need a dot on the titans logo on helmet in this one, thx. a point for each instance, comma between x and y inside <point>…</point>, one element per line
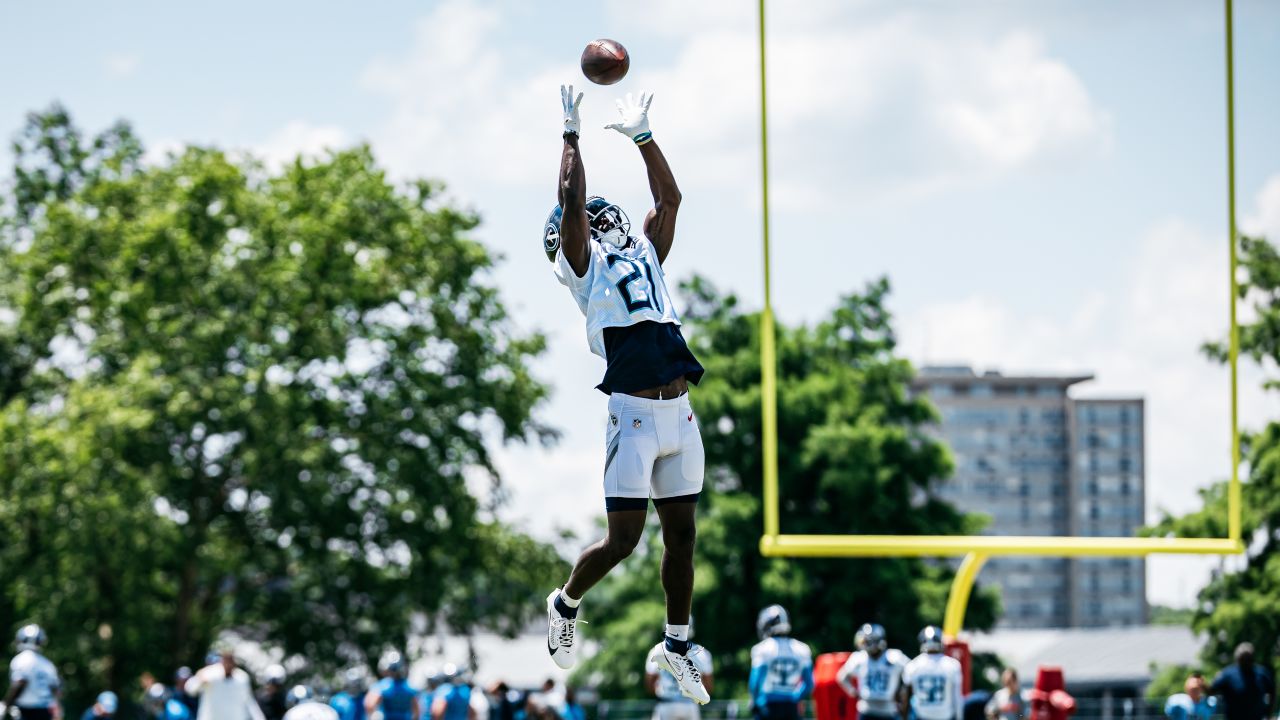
<point>551,233</point>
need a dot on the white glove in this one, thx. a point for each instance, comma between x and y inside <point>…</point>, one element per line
<point>634,122</point>
<point>571,104</point>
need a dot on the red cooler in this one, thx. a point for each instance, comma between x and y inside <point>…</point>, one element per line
<point>830,702</point>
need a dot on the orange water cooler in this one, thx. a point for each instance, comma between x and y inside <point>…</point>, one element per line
<point>830,702</point>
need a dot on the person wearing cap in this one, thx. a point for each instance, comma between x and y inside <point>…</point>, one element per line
<point>271,698</point>
<point>104,708</point>
<point>224,690</point>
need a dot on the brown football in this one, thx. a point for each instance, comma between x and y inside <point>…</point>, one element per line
<point>605,61</point>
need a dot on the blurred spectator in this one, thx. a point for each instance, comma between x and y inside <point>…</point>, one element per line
<point>1247,690</point>
<point>271,698</point>
<point>571,710</point>
<point>160,704</point>
<point>975,705</point>
<point>1192,704</point>
<point>506,701</point>
<point>303,704</point>
<point>104,708</point>
<point>550,696</point>
<point>224,691</point>
<point>349,701</point>
<point>451,699</point>
<point>1007,703</point>
<point>479,701</point>
<point>180,678</point>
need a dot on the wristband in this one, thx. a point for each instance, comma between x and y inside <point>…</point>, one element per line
<point>643,137</point>
<point>567,133</point>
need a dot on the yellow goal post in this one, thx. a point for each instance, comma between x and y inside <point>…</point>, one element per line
<point>977,548</point>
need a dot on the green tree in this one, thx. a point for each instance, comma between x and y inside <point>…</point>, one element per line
<point>1239,605</point>
<point>855,458</point>
<point>232,399</point>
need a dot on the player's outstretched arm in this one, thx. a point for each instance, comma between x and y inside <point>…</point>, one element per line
<point>572,189</point>
<point>660,223</point>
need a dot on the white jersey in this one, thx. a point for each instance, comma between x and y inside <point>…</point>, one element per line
<point>878,681</point>
<point>782,670</point>
<point>936,692</point>
<point>311,711</point>
<point>668,690</point>
<point>41,678</point>
<point>621,287</point>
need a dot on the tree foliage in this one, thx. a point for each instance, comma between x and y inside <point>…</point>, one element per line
<point>239,399</point>
<point>1239,605</point>
<point>854,458</point>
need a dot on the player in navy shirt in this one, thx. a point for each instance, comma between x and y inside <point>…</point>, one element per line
<point>1247,691</point>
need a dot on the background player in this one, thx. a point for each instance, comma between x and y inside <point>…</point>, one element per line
<point>451,699</point>
<point>672,704</point>
<point>878,671</point>
<point>33,680</point>
<point>392,694</point>
<point>653,447</point>
<point>781,669</point>
<point>932,680</point>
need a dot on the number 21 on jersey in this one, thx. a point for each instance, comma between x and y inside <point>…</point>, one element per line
<point>635,276</point>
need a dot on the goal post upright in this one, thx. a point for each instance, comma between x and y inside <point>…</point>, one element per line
<point>977,549</point>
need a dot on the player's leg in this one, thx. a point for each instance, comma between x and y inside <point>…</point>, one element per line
<point>630,448</point>
<point>677,483</point>
<point>679,533</point>
<point>624,530</point>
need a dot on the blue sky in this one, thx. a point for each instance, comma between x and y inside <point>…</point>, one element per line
<point>1043,182</point>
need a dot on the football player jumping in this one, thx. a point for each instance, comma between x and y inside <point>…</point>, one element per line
<point>652,445</point>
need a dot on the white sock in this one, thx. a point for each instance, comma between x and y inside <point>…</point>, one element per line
<point>568,600</point>
<point>679,632</point>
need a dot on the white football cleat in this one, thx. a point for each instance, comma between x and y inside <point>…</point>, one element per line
<point>685,671</point>
<point>562,634</point>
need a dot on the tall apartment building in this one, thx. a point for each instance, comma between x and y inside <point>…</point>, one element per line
<point>1040,462</point>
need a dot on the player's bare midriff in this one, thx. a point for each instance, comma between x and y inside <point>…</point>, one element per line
<point>673,389</point>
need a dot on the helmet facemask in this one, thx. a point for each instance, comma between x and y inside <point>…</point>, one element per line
<point>609,223</point>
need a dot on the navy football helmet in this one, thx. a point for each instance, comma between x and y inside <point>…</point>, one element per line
<point>773,621</point>
<point>870,637</point>
<point>551,233</point>
<point>931,639</point>
<point>608,222</point>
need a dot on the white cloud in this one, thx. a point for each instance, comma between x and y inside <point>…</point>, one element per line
<point>121,64</point>
<point>299,138</point>
<point>866,107</point>
<point>859,106</point>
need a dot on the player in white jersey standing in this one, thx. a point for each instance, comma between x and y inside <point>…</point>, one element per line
<point>33,681</point>
<point>878,671</point>
<point>932,680</point>
<point>781,669</point>
<point>672,704</point>
<point>652,445</point>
